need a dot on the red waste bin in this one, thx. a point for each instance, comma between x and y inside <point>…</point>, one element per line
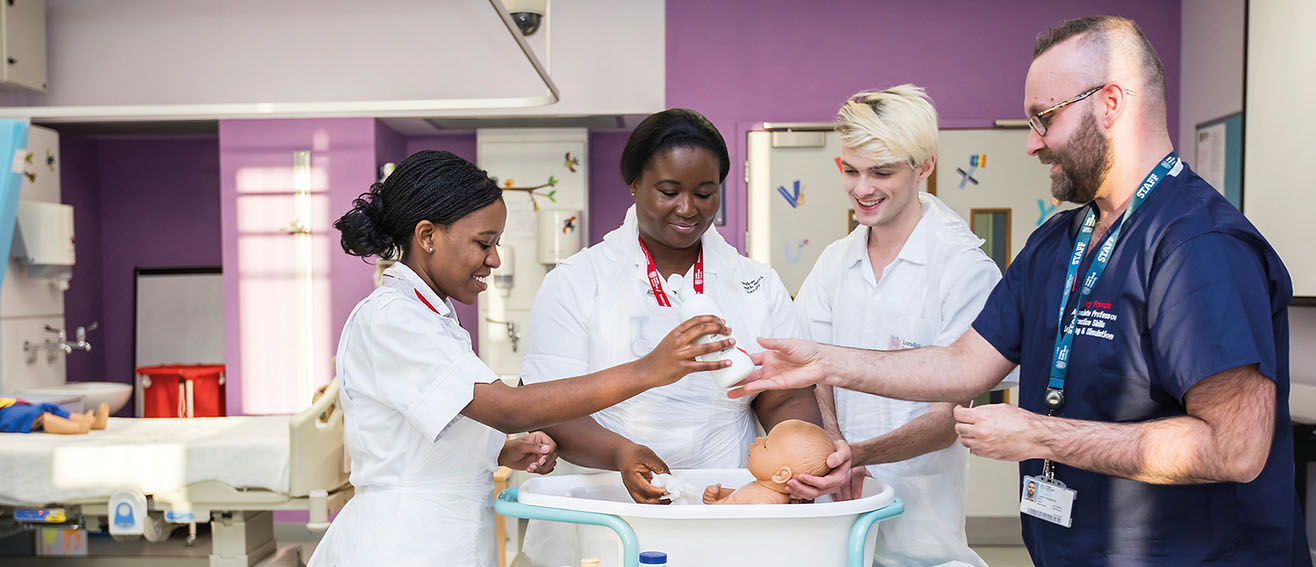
<point>182,390</point>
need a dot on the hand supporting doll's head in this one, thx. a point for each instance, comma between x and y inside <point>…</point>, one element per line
<point>793,447</point>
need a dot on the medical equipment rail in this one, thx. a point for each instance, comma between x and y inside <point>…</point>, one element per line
<point>507,505</point>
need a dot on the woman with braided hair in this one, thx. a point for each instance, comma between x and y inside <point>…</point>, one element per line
<point>425,420</point>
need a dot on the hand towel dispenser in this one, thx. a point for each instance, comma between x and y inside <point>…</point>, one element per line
<point>43,240</point>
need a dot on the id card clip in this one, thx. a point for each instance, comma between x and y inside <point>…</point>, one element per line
<point>1048,500</point>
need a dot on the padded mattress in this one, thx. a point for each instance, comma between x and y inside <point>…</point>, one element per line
<point>154,455</point>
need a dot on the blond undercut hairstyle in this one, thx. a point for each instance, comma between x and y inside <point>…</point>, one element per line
<point>895,125</point>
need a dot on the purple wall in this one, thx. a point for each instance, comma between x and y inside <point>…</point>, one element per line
<point>462,144</point>
<point>390,146</point>
<point>159,208</point>
<point>138,202</point>
<point>608,195</point>
<point>345,148</point>
<point>80,187</point>
<point>740,62</point>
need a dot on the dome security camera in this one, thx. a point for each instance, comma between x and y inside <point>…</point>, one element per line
<point>527,14</point>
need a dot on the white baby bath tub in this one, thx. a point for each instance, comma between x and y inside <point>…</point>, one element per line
<point>823,533</point>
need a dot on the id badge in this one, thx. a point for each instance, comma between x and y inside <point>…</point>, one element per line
<point>1050,501</point>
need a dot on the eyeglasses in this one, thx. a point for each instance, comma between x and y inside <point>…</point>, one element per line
<point>1039,125</point>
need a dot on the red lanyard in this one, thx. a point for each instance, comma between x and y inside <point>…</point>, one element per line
<point>656,281</point>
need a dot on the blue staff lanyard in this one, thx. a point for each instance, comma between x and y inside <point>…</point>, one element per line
<point>1055,397</point>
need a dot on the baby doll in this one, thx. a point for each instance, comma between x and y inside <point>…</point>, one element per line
<point>18,416</point>
<point>793,447</point>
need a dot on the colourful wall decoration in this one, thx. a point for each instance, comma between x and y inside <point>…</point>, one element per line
<point>508,185</point>
<point>1045,211</point>
<point>795,251</point>
<point>793,198</point>
<point>976,162</point>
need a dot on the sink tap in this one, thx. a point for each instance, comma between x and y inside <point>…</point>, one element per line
<point>31,349</point>
<point>81,334</point>
<point>61,342</point>
<point>52,348</point>
<point>513,335</point>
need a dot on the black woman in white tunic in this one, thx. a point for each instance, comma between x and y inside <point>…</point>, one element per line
<point>425,419</point>
<point>607,305</point>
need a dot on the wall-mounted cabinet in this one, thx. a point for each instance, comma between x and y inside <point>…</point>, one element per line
<point>23,44</point>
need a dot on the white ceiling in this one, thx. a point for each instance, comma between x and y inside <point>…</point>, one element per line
<point>339,53</point>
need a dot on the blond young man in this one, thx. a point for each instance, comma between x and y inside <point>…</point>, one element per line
<point>911,274</point>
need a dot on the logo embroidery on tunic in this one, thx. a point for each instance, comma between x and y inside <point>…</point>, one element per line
<point>752,285</point>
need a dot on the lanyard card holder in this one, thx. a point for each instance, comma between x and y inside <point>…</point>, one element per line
<point>1051,501</point>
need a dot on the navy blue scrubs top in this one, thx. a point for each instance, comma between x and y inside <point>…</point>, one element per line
<point>1191,290</point>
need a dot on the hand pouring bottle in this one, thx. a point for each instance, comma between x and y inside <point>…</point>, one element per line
<point>696,304</point>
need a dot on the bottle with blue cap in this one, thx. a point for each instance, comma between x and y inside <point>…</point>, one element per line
<point>655,558</point>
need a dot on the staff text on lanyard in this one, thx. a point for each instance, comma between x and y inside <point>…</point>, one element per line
<point>1055,396</point>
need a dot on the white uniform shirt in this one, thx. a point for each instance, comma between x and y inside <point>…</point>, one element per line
<point>596,310</point>
<point>422,471</point>
<point>928,295</point>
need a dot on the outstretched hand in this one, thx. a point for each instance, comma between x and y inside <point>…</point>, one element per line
<point>785,364</point>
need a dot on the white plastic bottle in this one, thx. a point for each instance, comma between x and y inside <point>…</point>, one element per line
<point>696,304</point>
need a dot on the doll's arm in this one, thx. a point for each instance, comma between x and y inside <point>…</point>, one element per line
<point>715,494</point>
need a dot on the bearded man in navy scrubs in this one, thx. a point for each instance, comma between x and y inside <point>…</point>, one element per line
<point>1150,327</point>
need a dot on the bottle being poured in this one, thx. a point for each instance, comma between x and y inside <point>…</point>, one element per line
<point>695,304</point>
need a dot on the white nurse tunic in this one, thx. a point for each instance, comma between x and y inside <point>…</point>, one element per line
<point>596,309</point>
<point>422,471</point>
<point>929,295</point>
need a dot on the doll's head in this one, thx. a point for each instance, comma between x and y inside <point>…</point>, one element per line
<point>792,448</point>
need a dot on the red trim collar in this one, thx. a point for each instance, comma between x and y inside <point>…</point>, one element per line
<point>425,301</point>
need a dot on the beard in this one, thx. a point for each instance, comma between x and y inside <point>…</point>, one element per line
<point>1084,163</point>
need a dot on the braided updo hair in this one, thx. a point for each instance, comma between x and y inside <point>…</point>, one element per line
<point>429,185</point>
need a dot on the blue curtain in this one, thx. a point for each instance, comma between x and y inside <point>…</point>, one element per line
<point>13,150</point>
